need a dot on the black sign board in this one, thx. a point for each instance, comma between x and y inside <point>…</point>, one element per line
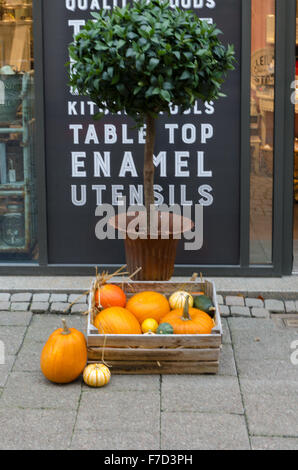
<point>92,162</point>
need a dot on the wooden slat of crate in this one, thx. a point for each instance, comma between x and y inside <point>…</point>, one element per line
<point>178,354</point>
<point>156,341</point>
<point>168,367</point>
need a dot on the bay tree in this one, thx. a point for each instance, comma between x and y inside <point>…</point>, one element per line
<point>144,58</point>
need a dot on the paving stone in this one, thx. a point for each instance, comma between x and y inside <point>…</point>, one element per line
<point>27,429</point>
<point>79,308</point>
<point>28,361</point>
<point>60,307</point>
<point>58,298</point>
<point>12,337</point>
<point>15,318</point>
<point>44,297</point>
<point>4,306</point>
<point>254,303</point>
<point>235,301</point>
<point>33,390</point>
<point>240,311</point>
<point>136,383</point>
<point>224,310</point>
<point>119,411</point>
<point>272,369</point>
<point>115,440</point>
<point>276,306</point>
<point>22,297</point>
<point>30,348</point>
<point>4,297</point>
<point>181,393</point>
<point>274,443</point>
<point>20,306</point>
<point>43,325</point>
<point>271,406</point>
<point>40,307</point>
<point>220,299</point>
<point>226,337</point>
<point>227,364</point>
<point>82,299</point>
<point>260,313</point>
<point>203,431</point>
<point>5,369</point>
<point>290,306</point>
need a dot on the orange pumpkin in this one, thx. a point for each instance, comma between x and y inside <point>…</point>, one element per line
<point>148,305</point>
<point>117,320</point>
<point>189,321</point>
<point>64,355</point>
<point>110,295</point>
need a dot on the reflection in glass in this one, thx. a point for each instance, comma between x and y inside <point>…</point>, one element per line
<point>17,207</point>
<point>262,130</point>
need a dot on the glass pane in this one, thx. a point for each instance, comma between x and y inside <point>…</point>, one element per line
<point>17,200</point>
<point>262,130</point>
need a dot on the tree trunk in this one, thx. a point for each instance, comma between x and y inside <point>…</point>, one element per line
<point>149,167</point>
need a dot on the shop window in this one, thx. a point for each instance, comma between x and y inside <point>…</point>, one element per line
<point>17,200</point>
<point>262,130</point>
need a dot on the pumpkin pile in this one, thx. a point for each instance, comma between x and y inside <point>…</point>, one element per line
<point>151,312</point>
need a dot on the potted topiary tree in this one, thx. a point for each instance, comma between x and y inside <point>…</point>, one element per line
<point>142,59</point>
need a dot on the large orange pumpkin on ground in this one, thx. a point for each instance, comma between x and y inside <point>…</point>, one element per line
<point>110,295</point>
<point>64,355</point>
<point>189,321</point>
<point>117,320</point>
<point>148,305</point>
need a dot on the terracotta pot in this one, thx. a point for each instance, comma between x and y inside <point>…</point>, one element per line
<point>155,253</point>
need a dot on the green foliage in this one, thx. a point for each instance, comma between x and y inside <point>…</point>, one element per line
<point>145,56</point>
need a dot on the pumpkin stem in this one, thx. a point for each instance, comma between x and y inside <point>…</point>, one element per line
<point>186,315</point>
<point>66,330</point>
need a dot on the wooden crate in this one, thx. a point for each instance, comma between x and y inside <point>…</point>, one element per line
<point>158,354</point>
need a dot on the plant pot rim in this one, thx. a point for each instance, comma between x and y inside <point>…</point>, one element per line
<point>178,224</point>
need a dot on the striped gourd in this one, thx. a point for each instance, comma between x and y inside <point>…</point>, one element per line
<point>96,375</point>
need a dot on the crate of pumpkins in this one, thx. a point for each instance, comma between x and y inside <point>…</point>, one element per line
<point>154,327</point>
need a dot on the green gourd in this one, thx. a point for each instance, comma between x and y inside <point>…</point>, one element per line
<point>204,303</point>
<point>165,329</point>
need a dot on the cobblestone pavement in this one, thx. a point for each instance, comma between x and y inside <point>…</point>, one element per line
<point>251,404</point>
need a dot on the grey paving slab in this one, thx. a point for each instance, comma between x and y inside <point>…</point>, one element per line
<point>5,369</point>
<point>181,392</point>
<point>60,307</point>
<point>272,369</point>
<point>254,303</point>
<point>258,312</point>
<point>271,406</point>
<point>27,429</point>
<point>30,348</point>
<point>220,299</point>
<point>42,297</point>
<point>119,411</point>
<point>21,297</point>
<point>115,440</point>
<point>12,337</point>
<point>203,431</point>
<point>19,306</point>
<point>43,325</point>
<point>40,307</point>
<point>276,306</point>
<point>240,311</point>
<point>290,306</point>
<point>4,306</point>
<point>235,301</point>
<point>137,383</point>
<point>224,310</point>
<point>32,390</point>
<point>227,364</point>
<point>58,298</point>
<point>226,338</point>
<point>274,443</point>
<point>4,297</point>
<point>82,299</point>
<point>79,308</point>
<point>15,318</point>
<point>28,361</point>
